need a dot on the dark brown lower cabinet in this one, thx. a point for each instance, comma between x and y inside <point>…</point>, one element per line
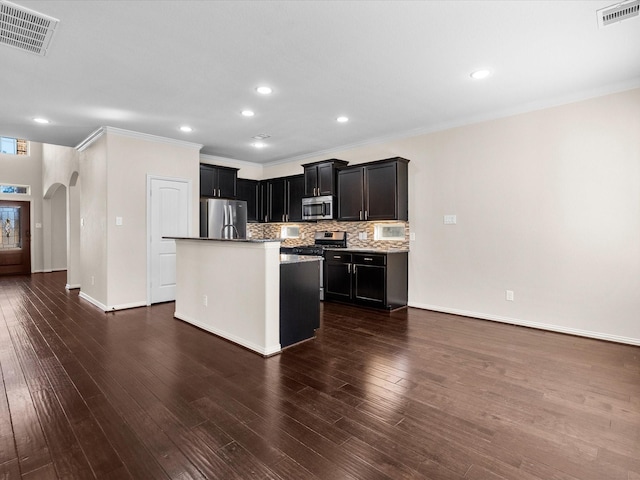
<point>377,280</point>
<point>299,301</point>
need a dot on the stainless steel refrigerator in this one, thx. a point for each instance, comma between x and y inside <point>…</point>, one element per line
<point>221,218</point>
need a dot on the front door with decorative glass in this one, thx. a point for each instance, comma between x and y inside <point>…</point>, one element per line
<point>15,245</point>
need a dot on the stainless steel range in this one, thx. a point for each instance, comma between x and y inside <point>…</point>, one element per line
<point>322,241</point>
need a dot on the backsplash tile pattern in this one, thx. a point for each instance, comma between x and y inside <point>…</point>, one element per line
<point>308,229</point>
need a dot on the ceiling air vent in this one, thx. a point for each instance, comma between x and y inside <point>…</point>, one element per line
<point>618,12</point>
<point>25,29</point>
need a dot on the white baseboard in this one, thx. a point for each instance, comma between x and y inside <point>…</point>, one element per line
<point>526,323</point>
<point>93,301</point>
<point>125,306</point>
<point>111,308</point>
<point>69,286</point>
<point>266,351</point>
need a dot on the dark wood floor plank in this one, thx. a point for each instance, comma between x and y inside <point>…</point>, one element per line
<point>31,446</point>
<point>8,452</point>
<point>130,448</point>
<point>10,470</point>
<point>407,394</point>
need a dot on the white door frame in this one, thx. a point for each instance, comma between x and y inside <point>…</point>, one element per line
<point>150,178</point>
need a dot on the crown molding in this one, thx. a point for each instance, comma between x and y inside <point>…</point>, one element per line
<point>131,134</point>
<point>231,161</point>
<point>87,142</point>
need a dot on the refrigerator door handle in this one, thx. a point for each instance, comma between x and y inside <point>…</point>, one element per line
<point>225,222</point>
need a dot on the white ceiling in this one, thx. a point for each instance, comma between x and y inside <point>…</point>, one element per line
<point>393,67</point>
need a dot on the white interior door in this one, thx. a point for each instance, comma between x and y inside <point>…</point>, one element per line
<point>169,216</point>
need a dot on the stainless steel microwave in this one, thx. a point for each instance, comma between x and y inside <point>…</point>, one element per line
<point>317,208</point>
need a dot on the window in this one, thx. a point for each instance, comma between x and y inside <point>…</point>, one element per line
<point>13,146</point>
<point>17,189</point>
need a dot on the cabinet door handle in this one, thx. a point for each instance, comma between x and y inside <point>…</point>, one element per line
<point>354,269</point>
<point>348,268</point>
<point>366,214</point>
<point>283,217</point>
<point>367,259</point>
<point>360,215</point>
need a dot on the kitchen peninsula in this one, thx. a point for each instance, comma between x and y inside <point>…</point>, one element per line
<point>234,289</point>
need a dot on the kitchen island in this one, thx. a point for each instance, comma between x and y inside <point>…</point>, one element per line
<point>234,289</point>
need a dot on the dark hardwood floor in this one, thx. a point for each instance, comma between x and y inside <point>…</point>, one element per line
<point>411,394</point>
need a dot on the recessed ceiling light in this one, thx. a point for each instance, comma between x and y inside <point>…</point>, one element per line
<point>258,144</point>
<point>40,120</point>
<point>186,128</point>
<point>264,90</point>
<point>342,119</point>
<point>480,74</point>
<point>248,113</point>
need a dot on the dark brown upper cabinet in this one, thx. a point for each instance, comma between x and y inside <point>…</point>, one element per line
<point>320,177</point>
<point>374,191</point>
<point>248,190</point>
<point>284,199</point>
<point>218,182</point>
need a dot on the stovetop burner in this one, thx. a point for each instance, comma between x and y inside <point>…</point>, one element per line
<point>323,240</point>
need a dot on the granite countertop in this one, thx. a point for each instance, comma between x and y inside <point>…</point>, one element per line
<point>369,250</point>
<point>290,258</point>
<point>241,240</point>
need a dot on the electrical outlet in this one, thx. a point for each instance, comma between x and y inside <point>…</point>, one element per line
<point>412,236</point>
<point>450,220</point>
<point>362,235</point>
<point>508,295</point>
<point>205,300</point>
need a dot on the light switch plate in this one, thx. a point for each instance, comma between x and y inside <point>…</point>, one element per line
<point>119,221</point>
<point>450,220</point>
<point>38,225</point>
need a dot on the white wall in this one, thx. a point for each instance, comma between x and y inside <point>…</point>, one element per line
<point>130,159</point>
<point>58,228</point>
<point>93,214</point>
<point>62,247</point>
<point>27,170</point>
<point>74,265</point>
<point>548,205</point>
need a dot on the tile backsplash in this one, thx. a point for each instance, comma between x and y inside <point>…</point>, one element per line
<point>307,230</point>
